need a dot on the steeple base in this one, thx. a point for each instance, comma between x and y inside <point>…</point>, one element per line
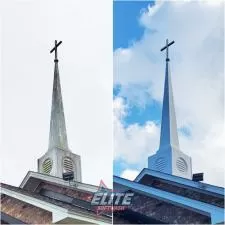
<point>56,161</point>
<point>171,161</point>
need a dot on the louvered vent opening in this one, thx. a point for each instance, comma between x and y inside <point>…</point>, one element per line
<point>67,164</point>
<point>47,166</point>
<point>160,164</point>
<point>181,165</point>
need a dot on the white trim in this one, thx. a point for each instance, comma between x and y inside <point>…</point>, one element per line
<point>58,213</point>
<point>44,177</point>
<point>180,180</point>
<point>33,201</point>
<point>216,213</point>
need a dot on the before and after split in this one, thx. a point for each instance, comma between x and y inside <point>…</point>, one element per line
<point>112,112</point>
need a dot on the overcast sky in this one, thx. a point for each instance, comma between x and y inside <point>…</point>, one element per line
<point>28,29</point>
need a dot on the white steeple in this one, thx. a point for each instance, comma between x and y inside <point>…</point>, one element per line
<point>169,158</point>
<point>168,124</point>
<point>57,134</point>
<point>58,159</point>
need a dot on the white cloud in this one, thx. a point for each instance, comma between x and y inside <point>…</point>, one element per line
<point>197,63</point>
<point>28,31</point>
<point>129,174</point>
<point>133,143</point>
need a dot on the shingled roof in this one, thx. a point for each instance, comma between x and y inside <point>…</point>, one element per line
<point>48,200</point>
<point>169,199</point>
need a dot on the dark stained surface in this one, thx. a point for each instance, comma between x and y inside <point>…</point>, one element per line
<point>166,212</point>
<point>6,219</point>
<point>131,217</point>
<point>25,212</point>
<point>192,193</point>
<point>151,210</point>
<point>72,192</point>
<point>72,205</point>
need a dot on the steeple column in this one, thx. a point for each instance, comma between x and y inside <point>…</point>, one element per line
<point>169,158</point>
<point>58,159</point>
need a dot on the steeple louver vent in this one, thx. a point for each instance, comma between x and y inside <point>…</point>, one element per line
<point>160,164</point>
<point>67,164</point>
<point>181,165</point>
<point>47,166</point>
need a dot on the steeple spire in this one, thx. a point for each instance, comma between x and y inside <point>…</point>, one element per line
<point>58,159</point>
<point>168,135</point>
<point>169,158</point>
<point>57,135</point>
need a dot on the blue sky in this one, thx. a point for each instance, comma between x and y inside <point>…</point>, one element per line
<point>126,30</point>
<point>126,27</point>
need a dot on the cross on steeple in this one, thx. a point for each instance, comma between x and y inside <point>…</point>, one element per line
<point>58,159</point>
<point>167,49</point>
<point>55,50</point>
<point>169,158</point>
<point>58,135</point>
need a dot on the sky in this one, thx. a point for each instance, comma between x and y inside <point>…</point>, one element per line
<point>111,62</point>
<point>28,29</point>
<point>197,71</point>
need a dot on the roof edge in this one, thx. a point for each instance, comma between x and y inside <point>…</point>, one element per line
<point>53,179</point>
<point>181,180</point>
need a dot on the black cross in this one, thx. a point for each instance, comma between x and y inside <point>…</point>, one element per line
<point>167,48</point>
<point>55,49</point>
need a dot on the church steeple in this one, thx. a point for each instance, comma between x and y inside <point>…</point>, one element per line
<point>57,135</point>
<point>168,124</point>
<point>58,159</point>
<point>169,158</point>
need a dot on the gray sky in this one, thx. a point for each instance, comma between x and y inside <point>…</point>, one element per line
<point>27,32</point>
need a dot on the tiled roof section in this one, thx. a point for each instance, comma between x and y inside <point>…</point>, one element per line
<point>77,196</point>
<point>128,216</point>
<point>72,192</point>
<point>25,212</point>
<point>71,207</point>
<point>182,191</point>
<point>35,195</point>
<point>164,212</point>
<point>118,219</point>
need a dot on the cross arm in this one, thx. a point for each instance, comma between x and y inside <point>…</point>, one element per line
<point>172,42</point>
<point>56,46</point>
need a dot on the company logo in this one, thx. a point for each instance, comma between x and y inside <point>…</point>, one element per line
<point>107,200</point>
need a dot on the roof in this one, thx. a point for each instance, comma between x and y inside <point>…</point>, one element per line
<point>49,195</point>
<point>207,188</point>
<point>17,211</point>
<point>33,179</point>
<point>52,200</point>
<point>167,196</point>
